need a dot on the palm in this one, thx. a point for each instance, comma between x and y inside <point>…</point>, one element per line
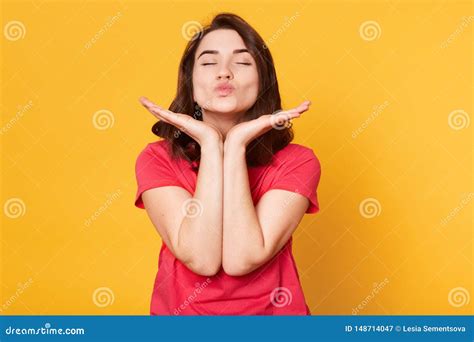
<point>197,129</point>
<point>245,132</point>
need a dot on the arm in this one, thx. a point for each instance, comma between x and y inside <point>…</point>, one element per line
<point>192,226</point>
<point>253,235</point>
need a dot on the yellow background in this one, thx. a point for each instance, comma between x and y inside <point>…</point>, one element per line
<point>396,90</point>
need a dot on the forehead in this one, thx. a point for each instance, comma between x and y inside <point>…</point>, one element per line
<point>222,40</point>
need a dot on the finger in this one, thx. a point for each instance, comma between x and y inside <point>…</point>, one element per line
<point>295,112</point>
<point>152,107</point>
<point>288,114</point>
<point>283,119</point>
<point>147,103</point>
<point>303,107</point>
<point>158,111</point>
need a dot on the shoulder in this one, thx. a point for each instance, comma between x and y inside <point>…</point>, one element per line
<point>158,151</point>
<point>296,154</point>
<point>159,146</point>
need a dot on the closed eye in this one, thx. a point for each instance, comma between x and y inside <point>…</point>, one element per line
<point>216,63</point>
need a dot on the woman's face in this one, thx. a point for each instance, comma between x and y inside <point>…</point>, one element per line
<point>225,77</point>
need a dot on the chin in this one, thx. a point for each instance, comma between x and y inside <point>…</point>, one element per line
<point>224,105</point>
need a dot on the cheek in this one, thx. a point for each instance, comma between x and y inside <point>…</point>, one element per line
<point>250,87</point>
<point>202,85</point>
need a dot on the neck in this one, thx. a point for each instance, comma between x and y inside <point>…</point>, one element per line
<point>222,121</point>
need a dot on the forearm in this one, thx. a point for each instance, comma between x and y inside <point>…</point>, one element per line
<point>200,234</point>
<point>243,239</point>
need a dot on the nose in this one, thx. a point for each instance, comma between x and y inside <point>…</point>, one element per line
<point>224,73</point>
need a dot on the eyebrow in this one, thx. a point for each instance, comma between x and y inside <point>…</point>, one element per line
<point>215,52</point>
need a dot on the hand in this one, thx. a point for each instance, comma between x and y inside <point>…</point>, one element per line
<point>198,130</point>
<point>243,133</point>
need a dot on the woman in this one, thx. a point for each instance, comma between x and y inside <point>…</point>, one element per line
<point>225,188</point>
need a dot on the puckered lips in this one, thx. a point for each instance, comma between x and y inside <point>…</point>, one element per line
<point>224,89</point>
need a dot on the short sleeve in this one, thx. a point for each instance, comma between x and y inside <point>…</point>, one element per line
<point>152,170</point>
<point>300,173</point>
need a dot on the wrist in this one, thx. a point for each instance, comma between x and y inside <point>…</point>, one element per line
<point>211,144</point>
<point>234,146</point>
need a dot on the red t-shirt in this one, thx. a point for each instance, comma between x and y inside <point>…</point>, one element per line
<point>272,289</point>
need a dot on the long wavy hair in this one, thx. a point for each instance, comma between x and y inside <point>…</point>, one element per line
<point>259,151</point>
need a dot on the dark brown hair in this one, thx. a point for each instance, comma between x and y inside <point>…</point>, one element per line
<point>260,151</point>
